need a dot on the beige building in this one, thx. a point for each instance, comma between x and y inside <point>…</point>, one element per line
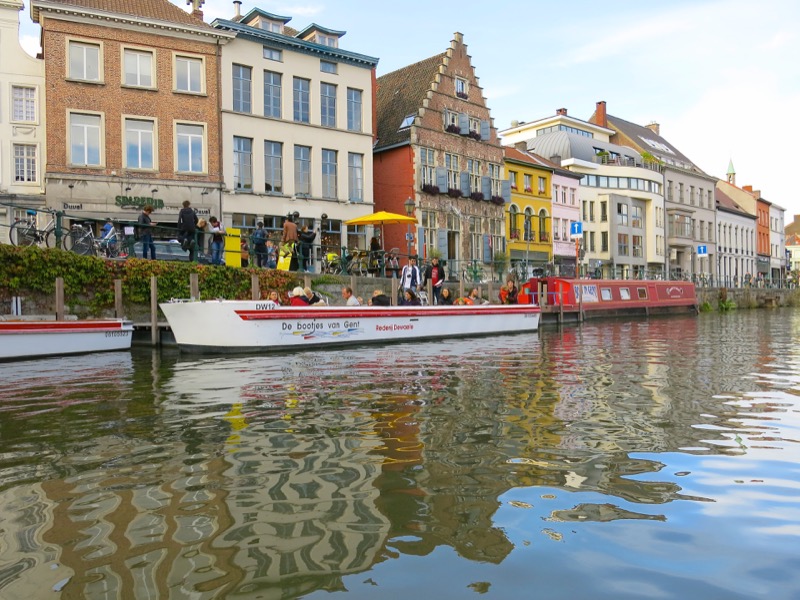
<point>22,122</point>
<point>621,195</point>
<point>297,128</point>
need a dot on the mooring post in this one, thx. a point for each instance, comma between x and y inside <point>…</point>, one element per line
<point>394,291</point>
<point>194,286</point>
<point>59,298</point>
<point>154,334</point>
<point>255,287</point>
<point>118,298</point>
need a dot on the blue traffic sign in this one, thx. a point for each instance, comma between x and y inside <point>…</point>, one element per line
<point>576,229</point>
<point>702,251</point>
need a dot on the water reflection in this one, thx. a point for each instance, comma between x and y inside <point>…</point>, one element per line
<point>152,476</point>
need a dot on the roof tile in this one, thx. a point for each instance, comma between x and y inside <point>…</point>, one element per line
<point>159,10</point>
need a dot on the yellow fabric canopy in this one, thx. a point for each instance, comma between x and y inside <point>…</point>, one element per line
<point>381,218</point>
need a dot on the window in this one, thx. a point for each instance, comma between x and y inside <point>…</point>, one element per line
<point>242,163</point>
<point>355,176</point>
<point>302,100</point>
<point>603,211</point>
<point>528,182</point>
<point>327,67</point>
<point>327,40</point>
<point>273,167</point>
<point>461,88</point>
<point>475,239</point>
<point>428,166</point>
<point>555,193</point>
<point>556,228</point>
<point>605,294</point>
<point>138,68</point>
<point>494,175</point>
<point>302,170</point>
<point>408,121</point>
<point>190,142</point>
<point>528,231</point>
<point>603,241</point>
<point>451,164</point>
<point>591,241</point>
<point>242,88</point>
<point>353,109</point>
<point>272,54</point>
<point>23,101</point>
<point>328,173</point>
<point>512,179</point>
<point>84,138</point>
<point>328,105</point>
<point>637,246</point>
<point>622,244</point>
<point>513,222</point>
<point>189,74</point>
<point>474,170</point>
<point>636,216</point>
<point>542,184</point>
<point>25,163</point>
<point>84,61</point>
<point>622,214</point>
<point>139,150</point>
<point>591,211</point>
<point>272,94</point>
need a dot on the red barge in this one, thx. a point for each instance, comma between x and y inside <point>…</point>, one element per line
<point>579,299</point>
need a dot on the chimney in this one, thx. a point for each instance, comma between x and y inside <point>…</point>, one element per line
<point>237,5</point>
<point>600,114</point>
<point>521,146</point>
<point>748,188</point>
<point>654,127</point>
<point>197,6</point>
<point>556,158</point>
<point>562,112</point>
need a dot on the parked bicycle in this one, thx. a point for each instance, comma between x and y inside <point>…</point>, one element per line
<point>473,273</point>
<point>25,232</point>
<point>81,240</point>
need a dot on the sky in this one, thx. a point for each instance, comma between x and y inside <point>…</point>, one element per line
<point>721,77</point>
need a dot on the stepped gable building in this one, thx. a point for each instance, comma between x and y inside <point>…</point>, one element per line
<point>298,125</point>
<point>622,206</point>
<point>133,107</point>
<point>22,122</point>
<point>688,196</point>
<point>437,157</point>
<point>736,241</point>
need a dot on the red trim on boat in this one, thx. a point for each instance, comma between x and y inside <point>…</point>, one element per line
<point>376,312</point>
<point>58,326</point>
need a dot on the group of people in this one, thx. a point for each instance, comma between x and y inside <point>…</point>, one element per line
<point>190,233</point>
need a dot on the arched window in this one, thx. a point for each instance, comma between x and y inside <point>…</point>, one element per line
<point>528,226</point>
<point>513,222</point>
<point>543,237</point>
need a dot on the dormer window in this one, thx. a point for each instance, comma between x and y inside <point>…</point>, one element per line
<point>273,26</point>
<point>327,40</point>
<point>461,88</point>
<point>407,122</point>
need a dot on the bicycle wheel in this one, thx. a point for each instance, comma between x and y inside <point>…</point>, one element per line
<point>23,233</point>
<point>80,242</point>
<point>50,238</point>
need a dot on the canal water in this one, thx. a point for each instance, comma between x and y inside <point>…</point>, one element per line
<point>648,459</point>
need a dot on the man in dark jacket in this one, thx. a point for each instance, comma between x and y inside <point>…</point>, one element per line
<point>187,226</point>
<point>436,274</point>
<point>307,238</point>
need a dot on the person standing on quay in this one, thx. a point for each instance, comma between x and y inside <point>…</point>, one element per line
<point>187,227</point>
<point>217,240</point>
<point>145,224</point>
<point>436,274</point>
<point>290,237</point>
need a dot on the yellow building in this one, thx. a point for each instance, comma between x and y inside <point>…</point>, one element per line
<point>529,215</point>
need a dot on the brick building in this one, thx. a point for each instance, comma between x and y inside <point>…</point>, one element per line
<point>437,147</point>
<point>133,106</point>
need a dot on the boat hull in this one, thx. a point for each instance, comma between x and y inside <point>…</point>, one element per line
<point>32,339</point>
<point>251,326</point>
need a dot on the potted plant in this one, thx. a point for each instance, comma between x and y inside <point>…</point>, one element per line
<point>499,263</point>
<point>454,193</point>
<point>476,196</point>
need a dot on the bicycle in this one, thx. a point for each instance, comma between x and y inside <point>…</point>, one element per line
<point>24,232</point>
<point>473,273</point>
<point>81,240</point>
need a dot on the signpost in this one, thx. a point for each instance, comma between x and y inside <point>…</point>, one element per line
<point>576,231</point>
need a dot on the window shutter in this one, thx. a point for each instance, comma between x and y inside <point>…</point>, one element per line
<point>465,183</point>
<point>486,187</point>
<point>505,187</point>
<point>463,123</point>
<point>487,248</point>
<point>485,131</point>
<point>441,179</point>
<point>420,244</point>
<point>441,242</point>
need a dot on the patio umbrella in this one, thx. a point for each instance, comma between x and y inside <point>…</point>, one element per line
<point>382,218</point>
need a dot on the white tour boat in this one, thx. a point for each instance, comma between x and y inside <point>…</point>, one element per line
<point>259,326</point>
<point>21,338</point>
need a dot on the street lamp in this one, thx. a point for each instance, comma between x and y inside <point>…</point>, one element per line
<point>411,208</point>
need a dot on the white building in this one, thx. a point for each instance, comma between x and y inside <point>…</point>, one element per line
<point>777,244</point>
<point>297,128</point>
<point>736,241</point>
<point>621,196</point>
<point>22,122</point>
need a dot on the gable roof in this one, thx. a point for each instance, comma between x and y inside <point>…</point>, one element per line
<point>155,10</point>
<point>652,142</point>
<point>726,203</point>
<point>401,93</point>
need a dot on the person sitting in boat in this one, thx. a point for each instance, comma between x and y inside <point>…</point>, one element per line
<point>349,299</point>
<point>274,297</point>
<point>298,297</point>
<point>410,298</point>
<point>508,293</point>
<point>379,299</point>
<point>475,298</point>
<point>446,297</point>
<point>313,297</point>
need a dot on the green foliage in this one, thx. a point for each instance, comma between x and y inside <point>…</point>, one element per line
<point>500,262</point>
<point>89,281</point>
<point>706,307</point>
<point>726,305</point>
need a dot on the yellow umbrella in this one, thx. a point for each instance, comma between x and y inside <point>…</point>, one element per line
<point>381,218</point>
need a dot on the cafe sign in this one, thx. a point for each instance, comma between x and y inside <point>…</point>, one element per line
<point>138,202</point>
